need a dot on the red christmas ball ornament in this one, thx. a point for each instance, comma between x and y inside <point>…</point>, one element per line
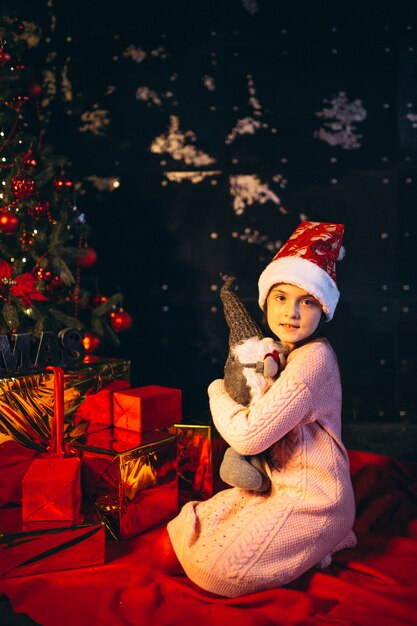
<point>29,159</point>
<point>39,209</point>
<point>22,186</point>
<point>120,320</point>
<point>89,259</point>
<point>35,90</point>
<point>4,58</point>
<point>91,342</point>
<point>62,183</point>
<point>9,222</point>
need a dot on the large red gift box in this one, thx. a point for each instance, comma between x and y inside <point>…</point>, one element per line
<point>131,478</point>
<point>147,408</point>
<point>47,547</point>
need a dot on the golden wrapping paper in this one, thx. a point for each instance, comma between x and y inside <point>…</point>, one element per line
<point>130,477</point>
<point>26,401</point>
<point>200,450</point>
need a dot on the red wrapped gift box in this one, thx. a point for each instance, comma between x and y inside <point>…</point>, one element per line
<point>147,408</point>
<point>130,477</point>
<point>97,408</point>
<point>51,488</point>
<point>200,451</point>
<point>46,549</point>
<point>26,401</point>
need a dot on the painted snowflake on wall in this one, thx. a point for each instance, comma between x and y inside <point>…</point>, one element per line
<point>244,126</point>
<point>180,145</point>
<point>250,124</point>
<point>412,118</point>
<point>251,6</point>
<point>340,129</point>
<point>95,121</point>
<point>209,82</point>
<point>136,54</point>
<point>104,183</point>
<point>248,189</point>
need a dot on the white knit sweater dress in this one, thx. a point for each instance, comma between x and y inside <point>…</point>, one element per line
<point>240,542</point>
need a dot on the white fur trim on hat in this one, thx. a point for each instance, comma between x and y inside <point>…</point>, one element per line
<point>301,273</point>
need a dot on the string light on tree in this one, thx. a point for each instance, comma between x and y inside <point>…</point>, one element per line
<point>40,209</point>
<point>29,159</point>
<point>98,299</point>
<point>62,183</point>
<point>91,342</point>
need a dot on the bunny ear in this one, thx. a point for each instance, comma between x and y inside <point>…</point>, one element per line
<point>241,325</point>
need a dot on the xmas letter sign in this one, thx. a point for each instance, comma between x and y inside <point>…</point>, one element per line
<point>27,353</point>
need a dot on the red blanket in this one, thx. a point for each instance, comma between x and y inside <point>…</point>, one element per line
<point>373,584</point>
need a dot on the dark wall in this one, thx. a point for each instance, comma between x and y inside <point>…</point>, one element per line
<point>279,66</point>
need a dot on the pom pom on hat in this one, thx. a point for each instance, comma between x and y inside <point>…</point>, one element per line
<point>308,261</point>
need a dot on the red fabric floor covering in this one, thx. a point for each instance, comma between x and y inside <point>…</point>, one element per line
<point>374,584</point>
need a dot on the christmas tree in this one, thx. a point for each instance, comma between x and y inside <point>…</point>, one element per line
<point>44,235</point>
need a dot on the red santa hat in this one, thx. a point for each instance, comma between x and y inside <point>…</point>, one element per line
<point>308,260</point>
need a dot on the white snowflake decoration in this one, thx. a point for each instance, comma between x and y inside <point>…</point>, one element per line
<point>136,54</point>
<point>66,85</point>
<point>179,145</point>
<point>341,131</point>
<point>412,117</point>
<point>251,6</point>
<point>209,82</point>
<point>247,189</point>
<point>248,125</point>
<point>193,177</point>
<point>95,121</point>
<point>148,95</point>
<point>253,236</point>
<point>244,126</point>
<point>109,183</point>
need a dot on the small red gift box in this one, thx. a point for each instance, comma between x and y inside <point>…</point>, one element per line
<point>147,408</point>
<point>51,488</point>
<point>97,408</point>
<point>200,450</point>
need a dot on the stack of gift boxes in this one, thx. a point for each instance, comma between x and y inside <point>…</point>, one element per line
<point>138,464</point>
<point>130,463</point>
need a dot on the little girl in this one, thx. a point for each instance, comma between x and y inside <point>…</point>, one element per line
<point>240,541</point>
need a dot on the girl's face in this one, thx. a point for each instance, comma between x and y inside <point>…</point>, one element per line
<point>292,313</point>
